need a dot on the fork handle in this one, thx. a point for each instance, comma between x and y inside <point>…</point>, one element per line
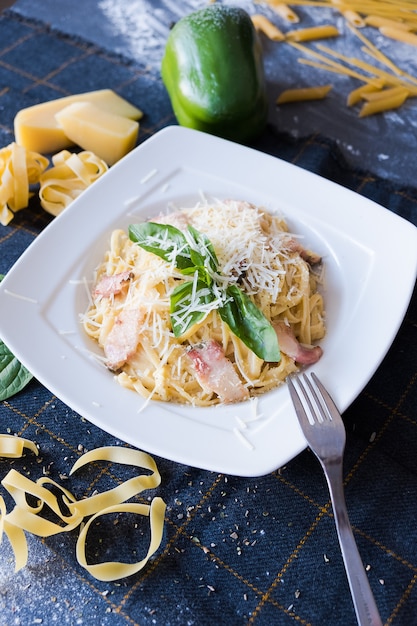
<point>365,607</point>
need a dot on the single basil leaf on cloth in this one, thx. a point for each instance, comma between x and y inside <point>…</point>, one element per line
<point>164,240</point>
<point>13,375</point>
<point>188,305</point>
<point>248,323</point>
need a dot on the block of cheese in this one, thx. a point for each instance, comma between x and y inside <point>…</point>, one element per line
<point>109,136</point>
<point>36,127</point>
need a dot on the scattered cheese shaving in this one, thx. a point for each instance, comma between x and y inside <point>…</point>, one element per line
<point>19,168</point>
<point>70,175</point>
<point>148,176</point>
<point>243,438</point>
<point>25,517</point>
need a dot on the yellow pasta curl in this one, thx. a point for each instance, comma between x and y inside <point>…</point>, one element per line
<point>19,168</point>
<point>69,176</point>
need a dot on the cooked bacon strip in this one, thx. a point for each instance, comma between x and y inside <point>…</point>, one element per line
<point>111,285</point>
<point>289,344</point>
<point>122,341</point>
<point>216,373</point>
<point>312,258</point>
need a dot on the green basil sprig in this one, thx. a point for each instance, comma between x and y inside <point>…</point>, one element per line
<point>13,375</point>
<point>193,255</point>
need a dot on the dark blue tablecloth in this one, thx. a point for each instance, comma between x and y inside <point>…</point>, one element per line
<point>235,551</point>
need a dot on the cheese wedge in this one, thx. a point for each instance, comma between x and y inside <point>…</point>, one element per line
<point>37,129</point>
<point>108,136</point>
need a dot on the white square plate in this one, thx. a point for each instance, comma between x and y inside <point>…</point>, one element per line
<point>370,256</point>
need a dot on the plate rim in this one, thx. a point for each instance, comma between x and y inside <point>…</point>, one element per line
<point>170,136</point>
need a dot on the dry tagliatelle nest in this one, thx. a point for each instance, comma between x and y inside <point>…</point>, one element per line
<point>22,169</point>
<point>27,517</point>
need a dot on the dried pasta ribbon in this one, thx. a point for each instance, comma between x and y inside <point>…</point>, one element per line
<point>112,570</point>
<point>25,517</point>
<point>31,522</point>
<point>12,447</point>
<point>19,168</point>
<point>128,489</point>
<point>69,176</point>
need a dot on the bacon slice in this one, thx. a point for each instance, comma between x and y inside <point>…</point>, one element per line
<point>216,373</point>
<point>312,258</point>
<point>122,341</point>
<point>289,344</point>
<point>112,285</point>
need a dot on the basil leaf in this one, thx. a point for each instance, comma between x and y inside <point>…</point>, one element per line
<point>248,323</point>
<point>205,248</point>
<point>188,301</point>
<point>183,316</point>
<point>164,240</point>
<point>13,375</point>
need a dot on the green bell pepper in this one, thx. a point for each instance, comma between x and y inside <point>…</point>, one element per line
<point>213,71</point>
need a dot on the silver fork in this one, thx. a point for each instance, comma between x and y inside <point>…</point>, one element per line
<point>325,433</point>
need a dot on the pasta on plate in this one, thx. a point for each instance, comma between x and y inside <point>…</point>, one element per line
<point>210,304</point>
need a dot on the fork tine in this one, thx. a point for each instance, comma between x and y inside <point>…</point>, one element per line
<point>328,400</point>
<point>316,411</point>
<point>299,407</point>
<point>317,400</point>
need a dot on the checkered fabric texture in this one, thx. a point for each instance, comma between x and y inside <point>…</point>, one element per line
<point>235,551</point>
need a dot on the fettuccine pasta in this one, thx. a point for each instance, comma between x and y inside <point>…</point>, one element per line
<point>19,168</point>
<point>130,315</point>
<point>12,447</point>
<point>68,177</point>
<point>26,517</point>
